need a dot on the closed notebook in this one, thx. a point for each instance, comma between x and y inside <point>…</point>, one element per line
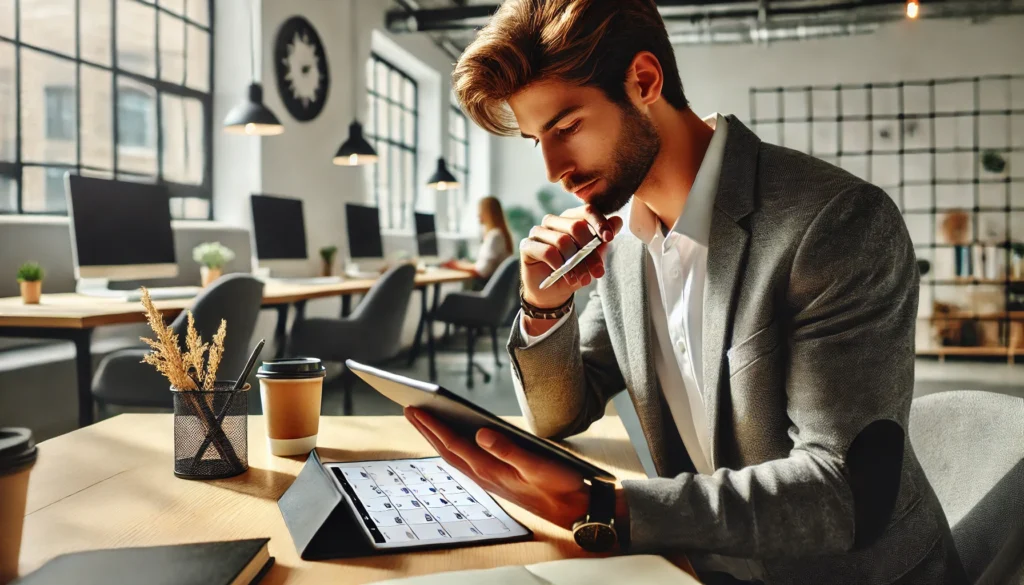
<point>239,562</point>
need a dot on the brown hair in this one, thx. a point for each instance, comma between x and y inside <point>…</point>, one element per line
<point>587,42</point>
<point>495,218</point>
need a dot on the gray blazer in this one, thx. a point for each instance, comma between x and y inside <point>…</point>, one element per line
<point>809,316</point>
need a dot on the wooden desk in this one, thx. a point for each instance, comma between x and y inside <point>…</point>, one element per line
<point>72,317</point>
<point>111,485</point>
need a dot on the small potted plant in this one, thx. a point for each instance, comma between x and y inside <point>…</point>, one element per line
<point>30,278</point>
<point>212,256</point>
<point>327,254</point>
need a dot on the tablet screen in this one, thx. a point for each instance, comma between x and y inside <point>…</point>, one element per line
<point>410,502</point>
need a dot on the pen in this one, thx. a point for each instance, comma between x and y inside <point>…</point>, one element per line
<point>571,263</point>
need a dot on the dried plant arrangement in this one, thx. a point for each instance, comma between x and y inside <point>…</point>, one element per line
<point>185,371</point>
<point>191,370</point>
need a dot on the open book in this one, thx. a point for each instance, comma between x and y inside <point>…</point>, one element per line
<point>629,569</point>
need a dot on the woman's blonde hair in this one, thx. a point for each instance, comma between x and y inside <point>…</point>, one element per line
<point>587,42</point>
<point>494,218</point>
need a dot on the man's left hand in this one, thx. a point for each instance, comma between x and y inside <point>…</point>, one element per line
<point>539,485</point>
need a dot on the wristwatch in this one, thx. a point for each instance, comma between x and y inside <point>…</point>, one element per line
<point>596,531</point>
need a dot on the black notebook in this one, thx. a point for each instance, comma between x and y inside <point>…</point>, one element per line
<point>240,562</point>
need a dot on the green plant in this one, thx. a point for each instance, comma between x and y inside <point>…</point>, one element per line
<point>212,254</point>
<point>30,272</point>
<point>520,221</point>
<point>993,161</point>
<point>328,253</point>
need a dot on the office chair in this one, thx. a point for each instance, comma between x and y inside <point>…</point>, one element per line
<point>371,334</point>
<point>486,309</point>
<point>971,446</point>
<point>122,380</point>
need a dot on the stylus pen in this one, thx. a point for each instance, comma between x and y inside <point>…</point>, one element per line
<point>571,263</point>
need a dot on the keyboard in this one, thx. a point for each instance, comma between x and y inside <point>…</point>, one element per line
<point>163,293</point>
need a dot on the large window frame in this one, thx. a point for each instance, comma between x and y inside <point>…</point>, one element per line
<point>393,179</point>
<point>458,164</point>
<point>189,200</point>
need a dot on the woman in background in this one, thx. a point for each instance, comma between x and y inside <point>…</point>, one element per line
<point>497,242</point>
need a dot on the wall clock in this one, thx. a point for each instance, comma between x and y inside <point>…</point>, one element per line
<point>301,65</point>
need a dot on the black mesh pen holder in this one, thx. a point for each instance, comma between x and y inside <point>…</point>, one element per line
<point>211,432</point>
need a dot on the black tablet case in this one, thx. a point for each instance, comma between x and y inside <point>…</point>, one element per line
<point>324,527</point>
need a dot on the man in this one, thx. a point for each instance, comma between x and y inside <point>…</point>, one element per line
<point>759,307</point>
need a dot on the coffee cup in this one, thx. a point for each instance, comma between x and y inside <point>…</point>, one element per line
<point>17,456</point>
<point>291,390</point>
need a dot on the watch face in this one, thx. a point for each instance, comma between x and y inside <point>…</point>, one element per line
<point>594,536</point>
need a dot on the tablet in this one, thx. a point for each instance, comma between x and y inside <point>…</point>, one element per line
<point>466,418</point>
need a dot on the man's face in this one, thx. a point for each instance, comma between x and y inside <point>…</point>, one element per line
<point>599,150</point>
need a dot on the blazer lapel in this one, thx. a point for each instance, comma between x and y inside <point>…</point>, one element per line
<point>666,446</point>
<point>727,252</point>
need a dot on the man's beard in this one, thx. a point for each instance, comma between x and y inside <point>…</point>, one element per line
<point>636,150</point>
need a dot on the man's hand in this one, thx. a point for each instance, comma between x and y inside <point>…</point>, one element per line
<point>551,244</point>
<point>539,485</point>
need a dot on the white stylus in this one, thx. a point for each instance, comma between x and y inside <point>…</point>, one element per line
<point>571,263</point>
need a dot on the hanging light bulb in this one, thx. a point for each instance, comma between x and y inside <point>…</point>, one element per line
<point>251,117</point>
<point>913,8</point>
<point>356,150</point>
<point>442,179</point>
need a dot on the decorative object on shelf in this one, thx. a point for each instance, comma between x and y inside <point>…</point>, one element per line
<point>355,150</point>
<point>251,116</point>
<point>327,254</point>
<point>300,62</point>
<point>924,267</point>
<point>442,179</point>
<point>212,256</point>
<point>955,227</point>
<point>1016,268</point>
<point>30,280</point>
<point>947,329</point>
<point>993,162</point>
<point>198,395</point>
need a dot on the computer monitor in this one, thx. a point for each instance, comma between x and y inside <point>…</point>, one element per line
<point>120,230</point>
<point>279,228</point>
<point>365,246</point>
<point>426,237</point>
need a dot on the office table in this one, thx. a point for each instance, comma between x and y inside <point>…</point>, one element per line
<point>72,317</point>
<point>111,485</point>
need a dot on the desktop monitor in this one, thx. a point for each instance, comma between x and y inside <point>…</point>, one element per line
<point>120,230</point>
<point>364,241</point>
<point>426,235</point>
<point>279,228</point>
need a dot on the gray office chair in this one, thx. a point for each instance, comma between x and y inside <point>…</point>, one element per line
<point>971,446</point>
<point>372,334</point>
<point>123,381</point>
<point>486,309</point>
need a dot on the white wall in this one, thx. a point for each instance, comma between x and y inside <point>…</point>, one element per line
<point>718,78</point>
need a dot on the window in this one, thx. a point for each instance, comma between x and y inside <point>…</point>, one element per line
<point>60,113</point>
<point>108,88</point>
<point>458,164</point>
<point>391,128</point>
<point>135,119</point>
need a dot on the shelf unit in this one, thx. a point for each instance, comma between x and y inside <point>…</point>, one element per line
<point>922,142</point>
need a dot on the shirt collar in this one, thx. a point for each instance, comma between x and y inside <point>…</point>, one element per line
<point>695,221</point>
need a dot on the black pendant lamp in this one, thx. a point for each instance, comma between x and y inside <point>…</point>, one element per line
<point>251,116</point>
<point>355,150</point>
<point>442,179</point>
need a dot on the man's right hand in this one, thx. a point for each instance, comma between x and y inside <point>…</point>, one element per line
<point>549,245</point>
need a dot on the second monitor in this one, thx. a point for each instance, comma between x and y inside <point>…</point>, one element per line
<point>426,238</point>
<point>365,246</point>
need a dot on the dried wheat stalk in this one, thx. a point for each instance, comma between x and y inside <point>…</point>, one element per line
<point>216,353</point>
<point>166,355</point>
<point>193,358</point>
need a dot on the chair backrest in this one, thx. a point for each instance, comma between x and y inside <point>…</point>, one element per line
<point>236,298</point>
<point>971,446</point>
<point>503,287</point>
<point>386,305</point>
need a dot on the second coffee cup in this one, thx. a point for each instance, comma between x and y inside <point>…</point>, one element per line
<point>17,456</point>
<point>291,390</point>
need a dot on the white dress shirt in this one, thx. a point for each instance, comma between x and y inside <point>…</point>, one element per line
<point>676,271</point>
<point>493,251</point>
